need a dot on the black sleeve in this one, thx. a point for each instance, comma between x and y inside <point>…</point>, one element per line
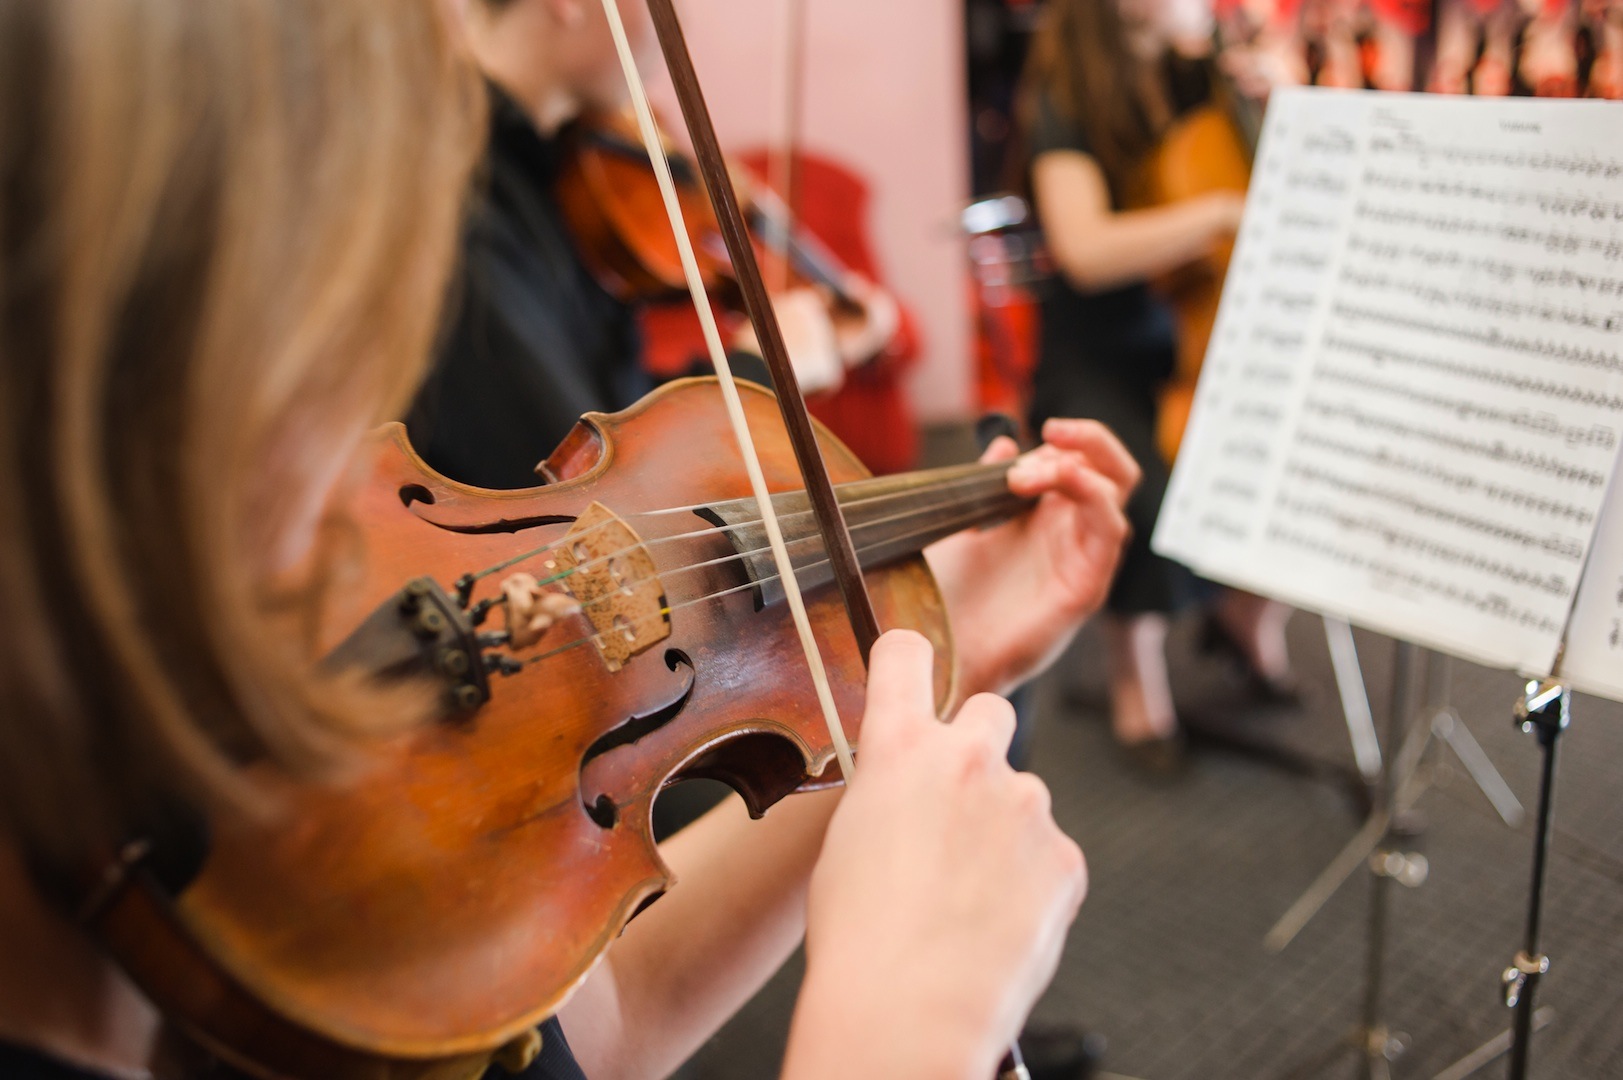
<point>487,414</point>
<point>516,368</point>
<point>1052,130</point>
<point>555,1062</point>
<point>20,1063</point>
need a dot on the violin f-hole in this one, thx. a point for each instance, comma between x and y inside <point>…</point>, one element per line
<point>415,493</point>
<point>601,808</point>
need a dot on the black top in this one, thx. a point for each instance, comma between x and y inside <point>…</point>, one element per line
<point>1126,333</point>
<point>554,1063</point>
<point>535,341</point>
<point>1104,355</point>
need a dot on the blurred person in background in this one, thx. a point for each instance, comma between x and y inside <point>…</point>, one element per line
<point>535,339</point>
<point>1104,80</point>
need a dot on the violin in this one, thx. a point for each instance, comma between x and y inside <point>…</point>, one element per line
<point>611,199</point>
<point>451,897</point>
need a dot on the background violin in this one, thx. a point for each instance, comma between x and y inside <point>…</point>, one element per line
<point>611,198</point>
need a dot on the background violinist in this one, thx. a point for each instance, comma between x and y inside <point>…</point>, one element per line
<point>536,341</point>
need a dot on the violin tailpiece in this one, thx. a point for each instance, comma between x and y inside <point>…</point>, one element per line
<point>419,632</point>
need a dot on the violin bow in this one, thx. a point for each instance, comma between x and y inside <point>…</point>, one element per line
<point>758,305</point>
<point>782,165</point>
<point>819,488</point>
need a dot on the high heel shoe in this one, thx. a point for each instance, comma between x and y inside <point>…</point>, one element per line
<point>1215,640</point>
<point>1164,758</point>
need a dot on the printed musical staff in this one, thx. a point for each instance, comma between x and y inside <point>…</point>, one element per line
<point>1414,395</point>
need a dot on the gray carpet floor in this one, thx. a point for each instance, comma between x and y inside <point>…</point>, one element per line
<point>1167,961</point>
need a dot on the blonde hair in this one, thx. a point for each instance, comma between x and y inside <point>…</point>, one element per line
<point>225,232</point>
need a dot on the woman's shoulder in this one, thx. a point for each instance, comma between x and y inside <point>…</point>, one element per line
<point>1053,128</point>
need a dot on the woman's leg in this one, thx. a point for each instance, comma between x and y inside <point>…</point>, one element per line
<point>1140,691</point>
<point>1256,625</point>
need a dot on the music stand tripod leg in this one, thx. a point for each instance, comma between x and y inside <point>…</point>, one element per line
<point>1448,728</point>
<point>1373,847</point>
<point>1545,710</point>
<point>1366,745</point>
<point>1405,787</point>
<point>1379,1045</point>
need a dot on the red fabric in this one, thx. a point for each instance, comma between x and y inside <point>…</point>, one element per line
<point>1005,349</point>
<point>1410,16</point>
<point>1286,11</point>
<point>870,412</point>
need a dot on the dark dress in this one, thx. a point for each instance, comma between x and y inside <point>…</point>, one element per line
<point>1104,355</point>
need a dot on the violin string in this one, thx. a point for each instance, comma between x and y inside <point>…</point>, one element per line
<point>718,594</point>
<point>733,527</point>
<point>942,476</point>
<point>669,609</point>
<point>740,556</point>
<point>993,474</point>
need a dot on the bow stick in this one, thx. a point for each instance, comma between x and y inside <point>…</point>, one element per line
<point>831,524</point>
<point>819,489</point>
<point>782,167</point>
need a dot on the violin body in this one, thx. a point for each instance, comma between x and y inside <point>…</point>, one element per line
<point>610,197</point>
<point>1204,151</point>
<point>419,916</point>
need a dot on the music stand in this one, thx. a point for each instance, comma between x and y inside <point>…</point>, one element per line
<point>1390,821</point>
<point>1384,433</point>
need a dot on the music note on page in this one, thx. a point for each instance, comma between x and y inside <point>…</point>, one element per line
<point>1413,398</point>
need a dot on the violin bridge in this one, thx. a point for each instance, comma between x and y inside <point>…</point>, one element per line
<point>611,572</point>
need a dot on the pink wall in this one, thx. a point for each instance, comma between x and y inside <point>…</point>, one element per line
<point>884,93</point>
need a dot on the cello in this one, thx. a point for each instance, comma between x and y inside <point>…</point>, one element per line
<point>1207,149</point>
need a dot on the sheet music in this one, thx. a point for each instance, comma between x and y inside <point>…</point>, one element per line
<point>1412,401</point>
<point>1594,655</point>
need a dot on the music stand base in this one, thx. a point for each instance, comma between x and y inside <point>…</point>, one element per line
<point>1492,1050</point>
<point>1376,1047</point>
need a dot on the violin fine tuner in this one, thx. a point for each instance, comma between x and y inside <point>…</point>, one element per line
<point>421,632</point>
